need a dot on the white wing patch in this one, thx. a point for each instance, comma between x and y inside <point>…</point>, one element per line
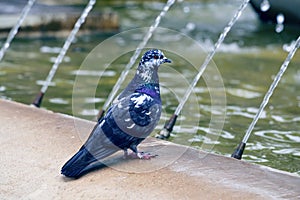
<point>131,126</point>
<point>127,120</point>
<point>140,100</point>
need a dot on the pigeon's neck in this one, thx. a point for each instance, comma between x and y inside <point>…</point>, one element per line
<point>151,89</point>
<point>147,73</point>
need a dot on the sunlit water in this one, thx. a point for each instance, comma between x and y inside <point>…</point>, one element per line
<point>248,60</point>
<point>16,27</point>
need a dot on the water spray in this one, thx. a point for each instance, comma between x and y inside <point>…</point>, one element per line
<point>38,100</point>
<point>15,29</point>
<point>168,128</point>
<point>238,153</point>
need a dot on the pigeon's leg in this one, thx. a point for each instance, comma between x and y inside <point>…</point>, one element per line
<point>139,155</point>
<point>125,154</point>
<point>130,155</point>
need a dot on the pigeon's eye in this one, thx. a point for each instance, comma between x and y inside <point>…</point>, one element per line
<point>156,57</point>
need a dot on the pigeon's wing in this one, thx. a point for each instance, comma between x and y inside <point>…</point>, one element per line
<point>137,115</point>
<point>98,144</point>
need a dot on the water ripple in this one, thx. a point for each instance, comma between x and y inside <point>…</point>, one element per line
<point>203,139</point>
<point>259,146</point>
<point>243,93</point>
<point>47,49</point>
<point>255,159</point>
<point>223,134</point>
<point>99,73</point>
<point>93,100</point>
<point>59,101</point>
<point>248,112</point>
<point>293,151</point>
<point>281,119</point>
<point>281,136</point>
<point>89,112</point>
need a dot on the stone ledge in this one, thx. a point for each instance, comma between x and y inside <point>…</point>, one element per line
<point>35,144</point>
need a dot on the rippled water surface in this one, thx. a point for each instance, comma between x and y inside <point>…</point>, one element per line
<point>247,62</point>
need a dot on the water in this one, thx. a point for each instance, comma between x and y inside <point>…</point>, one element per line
<point>265,5</point>
<point>15,29</point>
<point>211,55</point>
<point>67,44</point>
<point>272,88</point>
<point>248,60</point>
<point>280,20</point>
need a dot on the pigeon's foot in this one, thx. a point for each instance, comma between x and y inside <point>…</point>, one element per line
<point>139,155</point>
<point>145,156</point>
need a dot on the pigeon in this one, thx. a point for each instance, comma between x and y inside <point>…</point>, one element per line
<point>132,116</point>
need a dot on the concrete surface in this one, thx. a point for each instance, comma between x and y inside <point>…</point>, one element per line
<point>35,144</point>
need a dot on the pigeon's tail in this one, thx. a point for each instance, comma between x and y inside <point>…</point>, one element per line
<point>81,162</point>
<point>76,165</point>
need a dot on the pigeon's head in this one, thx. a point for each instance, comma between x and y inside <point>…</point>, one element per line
<point>154,57</point>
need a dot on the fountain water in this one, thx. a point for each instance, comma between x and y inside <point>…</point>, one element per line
<point>38,100</point>
<point>134,57</point>
<point>15,29</point>
<point>265,5</point>
<point>165,133</point>
<point>279,25</point>
<point>239,151</point>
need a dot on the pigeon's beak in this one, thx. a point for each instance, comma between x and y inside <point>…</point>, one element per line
<point>166,60</point>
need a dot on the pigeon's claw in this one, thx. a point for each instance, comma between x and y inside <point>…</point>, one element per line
<point>145,156</point>
<point>139,155</point>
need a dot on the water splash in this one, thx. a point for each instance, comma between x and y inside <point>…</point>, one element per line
<point>271,89</point>
<point>190,26</point>
<point>165,133</point>
<point>211,54</point>
<point>137,53</point>
<point>280,20</point>
<point>67,44</point>
<point>289,46</point>
<point>265,6</point>
<point>15,29</point>
<point>2,88</point>
<point>186,9</point>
